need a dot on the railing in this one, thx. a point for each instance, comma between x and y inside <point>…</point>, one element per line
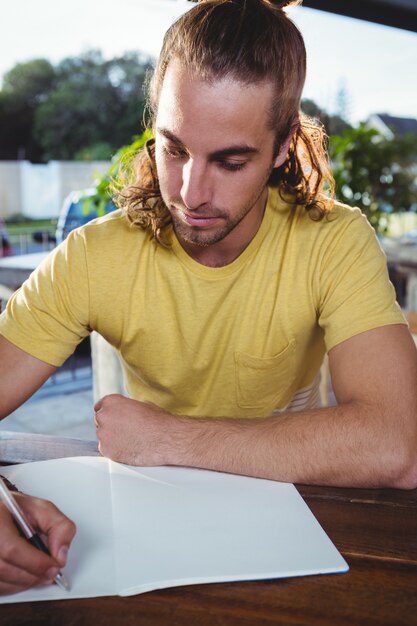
<point>26,242</point>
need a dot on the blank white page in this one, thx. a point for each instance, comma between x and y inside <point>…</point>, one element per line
<point>140,529</point>
<point>181,526</point>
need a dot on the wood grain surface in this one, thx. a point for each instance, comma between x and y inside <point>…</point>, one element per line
<point>376,531</point>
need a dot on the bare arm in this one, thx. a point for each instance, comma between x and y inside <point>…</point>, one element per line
<point>20,376</point>
<point>21,565</point>
<point>369,439</point>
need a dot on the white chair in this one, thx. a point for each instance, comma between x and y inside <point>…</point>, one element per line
<point>107,370</point>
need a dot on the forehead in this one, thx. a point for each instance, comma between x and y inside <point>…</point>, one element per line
<point>217,110</point>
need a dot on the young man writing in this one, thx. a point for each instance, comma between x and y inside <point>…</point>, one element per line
<point>223,317</point>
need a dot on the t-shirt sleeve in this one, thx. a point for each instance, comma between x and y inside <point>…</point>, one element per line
<point>49,315</point>
<point>355,294</point>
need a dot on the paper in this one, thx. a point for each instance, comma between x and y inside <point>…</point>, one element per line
<point>140,529</point>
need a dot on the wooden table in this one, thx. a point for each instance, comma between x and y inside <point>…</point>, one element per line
<point>376,531</point>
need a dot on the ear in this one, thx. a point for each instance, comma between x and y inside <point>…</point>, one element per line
<point>282,155</point>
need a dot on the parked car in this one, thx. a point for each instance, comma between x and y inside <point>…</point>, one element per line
<point>5,245</point>
<point>80,207</point>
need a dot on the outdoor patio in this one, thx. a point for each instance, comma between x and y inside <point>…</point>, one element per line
<point>63,407</point>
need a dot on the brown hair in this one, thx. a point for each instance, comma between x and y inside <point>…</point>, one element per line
<point>251,41</point>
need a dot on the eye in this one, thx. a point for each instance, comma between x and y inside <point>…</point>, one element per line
<point>232,166</point>
<point>174,152</point>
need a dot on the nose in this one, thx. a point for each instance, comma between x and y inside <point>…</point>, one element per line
<point>195,190</point>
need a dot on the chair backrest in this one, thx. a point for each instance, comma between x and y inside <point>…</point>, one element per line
<point>107,369</point>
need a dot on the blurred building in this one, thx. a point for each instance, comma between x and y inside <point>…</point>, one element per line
<point>38,191</point>
<point>390,126</point>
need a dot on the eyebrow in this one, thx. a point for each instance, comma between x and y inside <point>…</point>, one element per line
<point>235,150</point>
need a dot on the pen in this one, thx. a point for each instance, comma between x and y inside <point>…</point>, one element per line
<point>32,537</point>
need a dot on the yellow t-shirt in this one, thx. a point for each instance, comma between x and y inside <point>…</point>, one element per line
<point>239,340</point>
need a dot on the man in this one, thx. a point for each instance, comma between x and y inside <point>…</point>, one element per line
<point>222,320</point>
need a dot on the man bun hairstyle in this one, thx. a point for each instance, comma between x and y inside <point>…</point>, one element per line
<point>282,5</point>
<point>251,41</point>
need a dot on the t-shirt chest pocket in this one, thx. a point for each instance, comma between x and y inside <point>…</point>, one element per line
<point>265,383</point>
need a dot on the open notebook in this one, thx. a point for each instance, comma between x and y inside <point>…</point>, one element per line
<point>140,529</point>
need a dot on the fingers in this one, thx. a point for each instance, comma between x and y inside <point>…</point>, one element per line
<point>23,566</point>
<point>103,403</point>
<point>105,400</point>
<point>131,431</point>
<point>99,407</point>
<point>52,523</point>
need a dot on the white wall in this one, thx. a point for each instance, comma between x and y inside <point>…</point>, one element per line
<point>38,191</point>
<point>10,202</point>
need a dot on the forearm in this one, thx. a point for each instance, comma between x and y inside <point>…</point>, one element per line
<point>345,445</point>
<point>358,443</point>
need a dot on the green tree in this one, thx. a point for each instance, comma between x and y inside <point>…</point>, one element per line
<point>29,83</point>
<point>94,101</point>
<point>376,174</point>
<point>101,151</point>
<point>343,101</point>
<point>25,87</point>
<point>334,124</point>
<point>85,107</point>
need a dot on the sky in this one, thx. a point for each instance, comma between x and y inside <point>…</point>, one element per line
<point>374,65</point>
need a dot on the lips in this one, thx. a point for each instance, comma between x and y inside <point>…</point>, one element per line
<point>200,220</point>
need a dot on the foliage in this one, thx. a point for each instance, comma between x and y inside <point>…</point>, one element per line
<point>106,182</point>
<point>101,151</point>
<point>376,174</point>
<point>25,87</point>
<point>94,101</point>
<point>29,83</point>
<point>334,124</point>
<point>69,110</point>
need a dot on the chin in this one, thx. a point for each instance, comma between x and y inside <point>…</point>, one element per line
<point>198,237</point>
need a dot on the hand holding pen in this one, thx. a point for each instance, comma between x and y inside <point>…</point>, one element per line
<point>23,565</point>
